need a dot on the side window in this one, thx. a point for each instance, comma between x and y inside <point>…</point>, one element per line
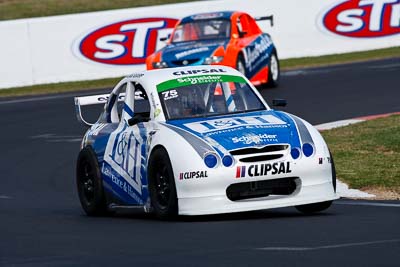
<point>120,102</point>
<point>142,104</point>
<point>178,34</point>
<point>243,26</point>
<point>113,111</point>
<point>239,25</point>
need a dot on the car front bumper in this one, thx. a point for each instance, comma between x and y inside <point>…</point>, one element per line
<point>312,193</point>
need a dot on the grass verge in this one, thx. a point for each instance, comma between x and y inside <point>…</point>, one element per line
<point>17,9</point>
<point>367,154</point>
<point>333,59</point>
<point>285,65</point>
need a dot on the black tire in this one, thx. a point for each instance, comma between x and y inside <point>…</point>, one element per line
<point>274,72</point>
<point>314,207</point>
<point>162,185</point>
<point>240,65</point>
<point>89,183</point>
<point>333,172</point>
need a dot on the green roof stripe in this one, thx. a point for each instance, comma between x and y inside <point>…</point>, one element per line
<point>184,81</point>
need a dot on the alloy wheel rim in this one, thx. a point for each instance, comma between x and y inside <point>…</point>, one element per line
<point>241,68</point>
<point>88,184</point>
<point>274,68</point>
<point>162,187</point>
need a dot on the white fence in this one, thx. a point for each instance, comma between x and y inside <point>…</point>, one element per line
<point>115,43</point>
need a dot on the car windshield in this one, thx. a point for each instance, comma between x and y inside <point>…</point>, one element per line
<point>207,95</point>
<point>202,30</point>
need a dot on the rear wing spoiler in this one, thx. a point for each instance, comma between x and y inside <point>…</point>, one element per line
<point>270,18</point>
<point>91,100</point>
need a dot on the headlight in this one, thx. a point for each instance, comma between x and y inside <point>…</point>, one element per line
<point>227,160</point>
<point>308,150</point>
<point>160,65</point>
<point>213,59</point>
<point>295,152</point>
<point>211,160</point>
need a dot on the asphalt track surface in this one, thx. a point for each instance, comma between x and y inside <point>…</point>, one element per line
<point>42,224</point>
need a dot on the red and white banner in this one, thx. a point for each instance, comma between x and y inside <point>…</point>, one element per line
<point>362,18</point>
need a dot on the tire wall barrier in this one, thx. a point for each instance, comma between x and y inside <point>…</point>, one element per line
<point>115,43</point>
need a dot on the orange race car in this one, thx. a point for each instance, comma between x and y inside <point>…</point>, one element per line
<point>227,38</point>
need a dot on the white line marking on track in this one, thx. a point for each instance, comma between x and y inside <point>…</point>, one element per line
<point>387,66</point>
<point>330,246</point>
<point>293,72</point>
<point>53,138</point>
<point>50,136</point>
<point>65,140</point>
<point>363,203</point>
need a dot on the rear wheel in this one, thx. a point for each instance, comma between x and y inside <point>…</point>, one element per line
<point>314,207</point>
<point>89,183</point>
<point>162,185</point>
<point>273,71</point>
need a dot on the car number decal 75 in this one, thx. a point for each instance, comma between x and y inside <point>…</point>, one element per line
<point>167,95</point>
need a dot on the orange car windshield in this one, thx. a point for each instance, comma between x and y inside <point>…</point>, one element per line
<point>202,30</point>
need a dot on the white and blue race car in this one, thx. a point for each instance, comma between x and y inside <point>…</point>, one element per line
<point>198,140</point>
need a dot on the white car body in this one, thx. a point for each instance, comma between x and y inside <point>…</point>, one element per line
<point>123,148</point>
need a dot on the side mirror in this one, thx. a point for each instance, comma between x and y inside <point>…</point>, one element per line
<point>242,34</point>
<point>279,102</point>
<point>137,117</point>
<point>163,39</point>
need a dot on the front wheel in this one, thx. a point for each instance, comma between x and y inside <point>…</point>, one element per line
<point>89,184</point>
<point>273,71</point>
<point>314,207</point>
<point>162,185</point>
